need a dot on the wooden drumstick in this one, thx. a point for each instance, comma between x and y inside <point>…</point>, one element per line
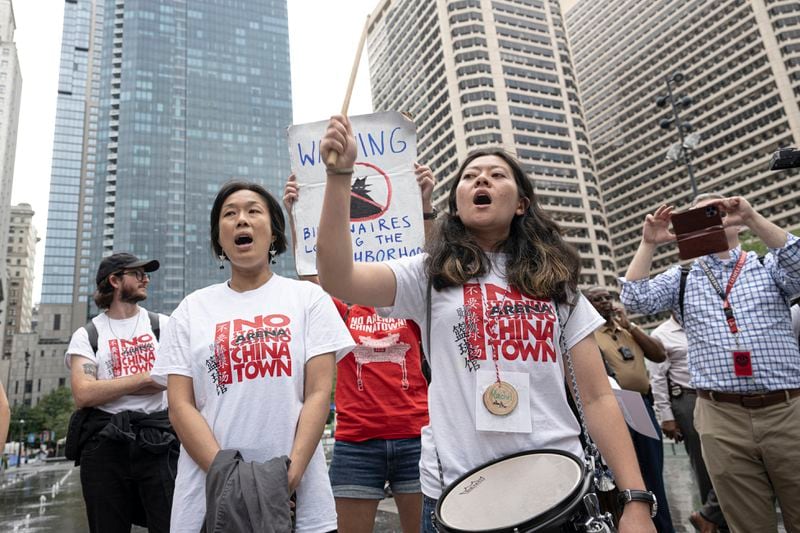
<point>333,156</point>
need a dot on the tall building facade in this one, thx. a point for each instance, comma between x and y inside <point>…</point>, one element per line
<point>478,73</point>
<point>21,248</point>
<point>741,66</point>
<point>159,104</point>
<point>10,92</point>
<point>67,258</point>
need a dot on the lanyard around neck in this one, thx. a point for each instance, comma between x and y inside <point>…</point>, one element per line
<point>726,306</point>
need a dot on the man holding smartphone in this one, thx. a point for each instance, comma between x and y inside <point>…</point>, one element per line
<point>624,347</point>
<point>743,358</point>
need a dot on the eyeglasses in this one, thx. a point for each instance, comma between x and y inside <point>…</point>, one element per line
<point>140,275</point>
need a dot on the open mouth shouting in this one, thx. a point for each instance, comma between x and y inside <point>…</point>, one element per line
<point>481,198</point>
<point>243,241</point>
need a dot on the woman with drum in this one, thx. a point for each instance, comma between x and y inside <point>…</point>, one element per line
<point>492,293</point>
<point>250,365</point>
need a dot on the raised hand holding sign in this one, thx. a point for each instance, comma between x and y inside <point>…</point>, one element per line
<point>385,208</point>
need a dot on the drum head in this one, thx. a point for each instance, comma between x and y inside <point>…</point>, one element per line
<point>511,492</point>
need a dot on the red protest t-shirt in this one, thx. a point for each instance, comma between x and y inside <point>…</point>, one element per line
<point>380,390</point>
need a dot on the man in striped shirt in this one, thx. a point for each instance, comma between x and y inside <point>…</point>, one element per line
<point>743,359</point>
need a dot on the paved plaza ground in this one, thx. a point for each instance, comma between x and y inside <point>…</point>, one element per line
<point>47,497</point>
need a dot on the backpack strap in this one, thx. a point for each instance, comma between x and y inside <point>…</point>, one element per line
<point>155,324</point>
<point>91,332</point>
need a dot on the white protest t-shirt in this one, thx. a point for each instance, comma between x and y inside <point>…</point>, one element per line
<point>470,325</point>
<point>246,354</point>
<point>124,348</point>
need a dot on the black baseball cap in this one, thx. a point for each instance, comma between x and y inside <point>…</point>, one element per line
<point>121,261</point>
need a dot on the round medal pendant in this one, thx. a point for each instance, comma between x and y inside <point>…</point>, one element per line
<point>500,398</point>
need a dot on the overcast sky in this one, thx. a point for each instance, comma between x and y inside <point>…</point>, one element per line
<point>320,72</point>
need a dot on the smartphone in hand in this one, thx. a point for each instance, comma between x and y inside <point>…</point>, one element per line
<point>699,232</point>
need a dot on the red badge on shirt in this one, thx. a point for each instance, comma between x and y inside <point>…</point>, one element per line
<point>742,363</point>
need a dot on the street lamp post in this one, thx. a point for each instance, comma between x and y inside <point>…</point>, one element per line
<point>25,383</point>
<point>687,142</point>
<point>19,447</point>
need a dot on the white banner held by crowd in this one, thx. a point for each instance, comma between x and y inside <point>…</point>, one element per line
<point>385,202</point>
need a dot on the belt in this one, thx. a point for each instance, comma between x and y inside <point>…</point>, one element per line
<point>676,390</point>
<point>751,401</point>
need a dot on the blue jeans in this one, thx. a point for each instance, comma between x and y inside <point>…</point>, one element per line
<point>650,454</point>
<point>428,513</point>
<point>361,469</point>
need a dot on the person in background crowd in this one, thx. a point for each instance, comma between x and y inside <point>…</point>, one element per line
<point>674,402</point>
<point>129,450</point>
<point>796,318</point>
<point>624,347</point>
<point>381,404</point>
<point>249,365</point>
<point>495,245</point>
<point>743,358</point>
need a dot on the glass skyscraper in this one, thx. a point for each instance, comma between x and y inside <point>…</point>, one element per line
<point>184,96</point>
<point>69,222</point>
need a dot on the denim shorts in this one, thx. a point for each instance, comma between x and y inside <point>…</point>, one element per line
<point>361,469</point>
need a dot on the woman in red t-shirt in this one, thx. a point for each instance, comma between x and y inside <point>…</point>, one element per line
<point>381,406</point>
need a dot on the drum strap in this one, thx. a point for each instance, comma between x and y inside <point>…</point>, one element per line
<point>602,477</point>
<point>428,357</point>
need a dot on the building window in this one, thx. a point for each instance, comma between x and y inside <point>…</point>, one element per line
<point>62,382</point>
<point>56,322</point>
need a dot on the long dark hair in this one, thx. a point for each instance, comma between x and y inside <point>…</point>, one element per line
<point>276,220</point>
<point>540,262</point>
<point>104,294</point>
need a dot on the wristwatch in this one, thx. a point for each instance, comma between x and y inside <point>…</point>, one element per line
<point>628,495</point>
<point>430,216</point>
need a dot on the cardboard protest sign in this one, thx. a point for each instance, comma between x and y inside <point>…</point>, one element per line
<point>385,203</point>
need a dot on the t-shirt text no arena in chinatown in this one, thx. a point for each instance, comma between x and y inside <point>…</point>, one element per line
<point>246,354</point>
<point>125,347</point>
<point>247,349</point>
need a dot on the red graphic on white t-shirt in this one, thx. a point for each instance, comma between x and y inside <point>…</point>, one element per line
<point>381,350</point>
<point>251,349</point>
<point>135,356</point>
<point>512,324</point>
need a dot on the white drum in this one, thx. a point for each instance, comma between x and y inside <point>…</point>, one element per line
<point>537,491</point>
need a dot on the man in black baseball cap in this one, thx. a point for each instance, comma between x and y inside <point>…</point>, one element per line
<point>127,475</point>
<point>123,261</point>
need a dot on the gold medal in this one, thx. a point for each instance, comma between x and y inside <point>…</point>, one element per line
<point>500,398</point>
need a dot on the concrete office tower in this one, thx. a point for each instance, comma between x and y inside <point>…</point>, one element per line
<point>159,104</point>
<point>21,248</point>
<point>18,326</point>
<point>478,73</point>
<point>10,91</point>
<point>741,62</point>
